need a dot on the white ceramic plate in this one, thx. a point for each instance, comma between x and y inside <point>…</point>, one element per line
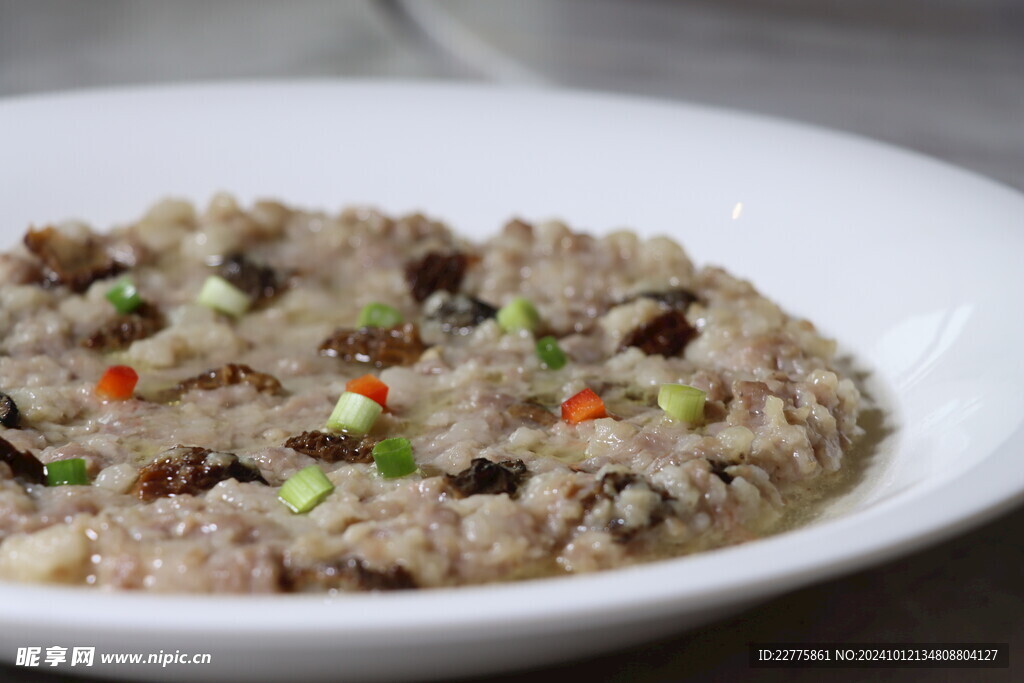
<point>913,265</point>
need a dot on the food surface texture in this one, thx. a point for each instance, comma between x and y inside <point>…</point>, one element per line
<point>264,399</point>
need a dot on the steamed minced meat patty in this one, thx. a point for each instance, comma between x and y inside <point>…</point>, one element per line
<point>183,470</point>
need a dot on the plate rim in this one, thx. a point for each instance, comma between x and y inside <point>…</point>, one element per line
<point>962,514</point>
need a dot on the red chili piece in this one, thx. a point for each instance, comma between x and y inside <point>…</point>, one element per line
<point>370,387</point>
<point>117,383</point>
<point>585,405</point>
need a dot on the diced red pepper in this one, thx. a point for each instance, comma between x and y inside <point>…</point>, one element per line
<point>585,405</point>
<point>117,383</point>
<point>370,387</point>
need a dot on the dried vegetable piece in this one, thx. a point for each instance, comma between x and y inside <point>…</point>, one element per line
<point>458,314</point>
<point>9,415</point>
<point>531,411</point>
<point>226,375</point>
<point>666,335</point>
<point>69,262</point>
<point>255,279</point>
<point>24,465</point>
<point>191,470</point>
<point>119,333</point>
<point>719,469</point>
<point>484,476</point>
<point>381,347</point>
<point>677,298</point>
<point>436,271</point>
<point>616,488</point>
<point>332,447</point>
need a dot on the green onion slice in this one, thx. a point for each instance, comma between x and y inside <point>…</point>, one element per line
<point>124,296</point>
<point>70,471</point>
<point>305,489</point>
<point>354,414</point>
<point>393,458</point>
<point>682,402</point>
<point>220,295</point>
<point>518,314</point>
<point>550,354</point>
<point>379,315</point>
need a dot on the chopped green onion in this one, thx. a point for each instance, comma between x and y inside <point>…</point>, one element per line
<point>518,314</point>
<point>305,489</point>
<point>394,458</point>
<point>354,414</point>
<point>70,471</point>
<point>379,315</point>
<point>124,296</point>
<point>682,402</point>
<point>550,354</point>
<point>220,295</point>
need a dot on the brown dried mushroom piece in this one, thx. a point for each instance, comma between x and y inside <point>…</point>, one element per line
<point>191,470</point>
<point>719,469</point>
<point>531,411</point>
<point>615,482</point>
<point>677,298</point>
<point>611,488</point>
<point>70,262</point>
<point>24,465</point>
<point>226,375</point>
<point>9,415</point>
<point>667,335</point>
<point>257,280</point>
<point>436,271</point>
<point>119,333</point>
<point>332,447</point>
<point>484,476</point>
<point>381,347</point>
<point>459,313</point>
<point>347,573</point>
